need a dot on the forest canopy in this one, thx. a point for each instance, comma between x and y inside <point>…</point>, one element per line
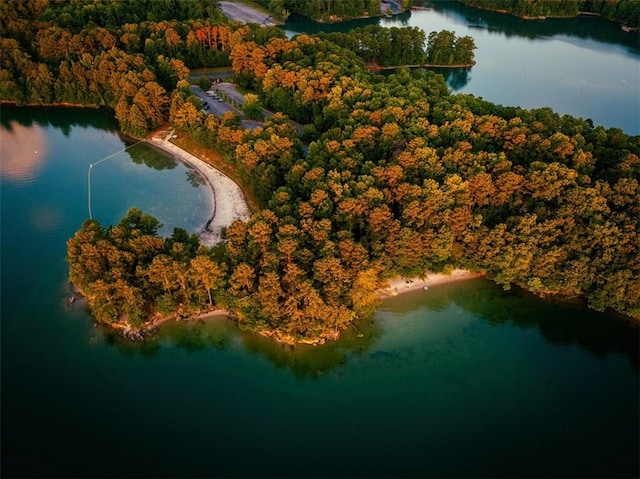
<point>400,176</point>
<point>389,175</point>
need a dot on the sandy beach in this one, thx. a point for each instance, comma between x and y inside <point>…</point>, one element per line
<point>404,285</point>
<point>227,200</point>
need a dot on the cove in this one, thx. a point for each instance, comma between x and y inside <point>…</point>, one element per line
<point>462,380</point>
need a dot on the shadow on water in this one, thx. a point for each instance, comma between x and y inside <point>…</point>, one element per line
<point>562,322</point>
<point>297,24</point>
<point>304,361</point>
<point>144,154</point>
<point>61,118</point>
<point>456,78</point>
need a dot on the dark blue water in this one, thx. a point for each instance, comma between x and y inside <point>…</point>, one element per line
<point>464,380</point>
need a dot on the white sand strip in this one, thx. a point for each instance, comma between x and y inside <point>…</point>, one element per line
<point>227,200</point>
<point>403,285</point>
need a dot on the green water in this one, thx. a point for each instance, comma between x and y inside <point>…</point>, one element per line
<point>464,380</point>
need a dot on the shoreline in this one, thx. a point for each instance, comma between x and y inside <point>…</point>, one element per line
<point>397,286</point>
<point>401,284</point>
<point>59,104</point>
<point>216,313</point>
<point>425,65</point>
<point>227,201</point>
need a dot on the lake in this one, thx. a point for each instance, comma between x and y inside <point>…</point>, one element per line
<point>585,67</point>
<point>464,380</point>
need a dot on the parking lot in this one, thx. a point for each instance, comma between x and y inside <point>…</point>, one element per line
<point>216,106</point>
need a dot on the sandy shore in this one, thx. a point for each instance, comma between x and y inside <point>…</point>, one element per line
<point>227,200</point>
<point>403,285</point>
<point>218,313</point>
<point>397,286</point>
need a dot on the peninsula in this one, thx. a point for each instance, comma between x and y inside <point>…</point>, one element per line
<point>359,178</point>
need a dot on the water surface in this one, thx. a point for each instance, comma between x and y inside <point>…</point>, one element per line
<point>464,380</point>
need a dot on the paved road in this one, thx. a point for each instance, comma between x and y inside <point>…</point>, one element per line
<point>245,14</point>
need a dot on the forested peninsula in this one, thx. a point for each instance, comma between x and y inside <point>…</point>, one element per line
<point>390,174</point>
<point>626,12</point>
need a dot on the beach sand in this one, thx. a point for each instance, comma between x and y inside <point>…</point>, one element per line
<point>227,200</point>
<point>403,285</point>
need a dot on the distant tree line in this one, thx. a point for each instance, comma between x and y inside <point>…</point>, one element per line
<point>405,46</point>
<point>624,11</point>
<point>330,10</point>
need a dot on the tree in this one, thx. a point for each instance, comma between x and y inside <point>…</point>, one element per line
<point>252,108</point>
<point>206,274</point>
<point>204,83</point>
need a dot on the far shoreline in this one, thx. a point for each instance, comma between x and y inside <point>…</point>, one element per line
<point>529,18</point>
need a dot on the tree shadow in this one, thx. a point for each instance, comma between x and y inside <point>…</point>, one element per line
<point>561,321</point>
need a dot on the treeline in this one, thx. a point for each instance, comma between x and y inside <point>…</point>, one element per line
<point>624,11</point>
<point>405,46</point>
<point>331,10</point>
<point>402,177</point>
